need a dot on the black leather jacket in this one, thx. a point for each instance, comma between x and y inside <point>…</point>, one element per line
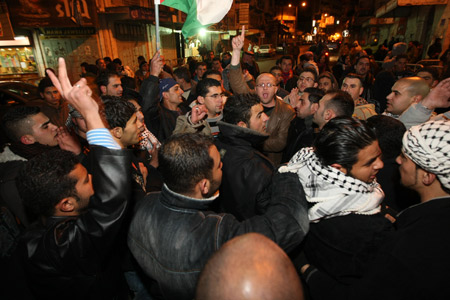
<point>246,171</point>
<point>172,236</point>
<point>73,257</point>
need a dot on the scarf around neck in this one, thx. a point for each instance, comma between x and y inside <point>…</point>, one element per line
<point>29,151</point>
<point>329,191</point>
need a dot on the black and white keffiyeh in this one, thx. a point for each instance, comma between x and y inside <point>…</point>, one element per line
<point>428,146</point>
<point>332,192</point>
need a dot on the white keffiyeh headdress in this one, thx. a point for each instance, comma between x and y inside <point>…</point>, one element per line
<point>428,146</point>
<point>332,192</point>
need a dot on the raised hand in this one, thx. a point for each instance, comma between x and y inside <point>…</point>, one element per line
<point>238,44</point>
<point>198,113</point>
<point>294,97</point>
<point>238,41</point>
<point>247,75</point>
<point>156,64</point>
<point>439,96</point>
<point>79,96</point>
<point>66,141</point>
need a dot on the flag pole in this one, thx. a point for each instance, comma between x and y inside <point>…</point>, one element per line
<point>158,38</point>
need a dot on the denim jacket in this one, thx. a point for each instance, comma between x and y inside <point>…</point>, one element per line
<point>172,236</point>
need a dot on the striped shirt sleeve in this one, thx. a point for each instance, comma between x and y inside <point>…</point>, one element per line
<point>101,137</point>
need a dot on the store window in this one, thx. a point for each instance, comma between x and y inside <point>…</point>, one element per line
<point>17,60</point>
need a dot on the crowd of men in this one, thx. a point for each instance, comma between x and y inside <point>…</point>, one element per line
<point>218,181</point>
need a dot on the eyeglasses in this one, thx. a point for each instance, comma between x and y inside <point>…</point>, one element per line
<point>263,85</point>
<point>308,79</point>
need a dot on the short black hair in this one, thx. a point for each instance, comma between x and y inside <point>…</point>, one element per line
<point>116,111</point>
<point>361,57</point>
<point>216,58</point>
<point>104,76</point>
<point>389,133</point>
<point>143,63</point>
<point>340,141</point>
<point>433,71</point>
<point>400,56</point>
<point>203,86</point>
<point>330,76</point>
<point>212,72</point>
<point>275,68</point>
<point>341,103</point>
<point>315,94</point>
<point>44,181</point>
<point>184,160</point>
<point>16,121</point>
<point>45,83</point>
<point>107,59</point>
<point>310,70</point>
<point>117,61</point>
<point>112,67</point>
<point>200,63</point>
<point>307,56</point>
<point>91,69</point>
<point>286,57</point>
<point>355,76</point>
<point>183,73</point>
<point>99,59</point>
<point>239,108</point>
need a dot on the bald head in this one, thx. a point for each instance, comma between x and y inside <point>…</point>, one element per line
<point>249,267</point>
<point>415,86</point>
<point>266,89</point>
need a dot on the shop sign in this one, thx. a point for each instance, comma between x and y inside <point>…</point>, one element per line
<point>421,2</point>
<point>66,32</point>
<point>142,13</point>
<point>52,13</point>
<point>244,13</point>
<point>381,21</point>
<point>6,30</point>
<point>121,3</point>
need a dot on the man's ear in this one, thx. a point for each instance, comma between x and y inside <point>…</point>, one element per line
<point>315,84</point>
<point>117,132</point>
<point>66,205</point>
<point>428,178</point>
<point>201,100</point>
<point>417,99</point>
<point>435,83</point>
<point>242,124</point>
<point>329,114</point>
<point>314,107</point>
<point>204,186</point>
<point>361,90</point>
<point>103,89</point>
<point>27,139</point>
<point>340,168</point>
<point>42,95</point>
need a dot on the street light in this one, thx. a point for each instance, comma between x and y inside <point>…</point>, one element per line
<point>290,5</point>
<point>303,4</point>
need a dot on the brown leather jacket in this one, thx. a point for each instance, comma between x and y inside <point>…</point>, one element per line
<point>279,121</point>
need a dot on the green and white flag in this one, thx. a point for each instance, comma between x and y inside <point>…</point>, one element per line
<point>200,13</point>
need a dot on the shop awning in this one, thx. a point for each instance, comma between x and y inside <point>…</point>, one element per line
<point>402,8</point>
